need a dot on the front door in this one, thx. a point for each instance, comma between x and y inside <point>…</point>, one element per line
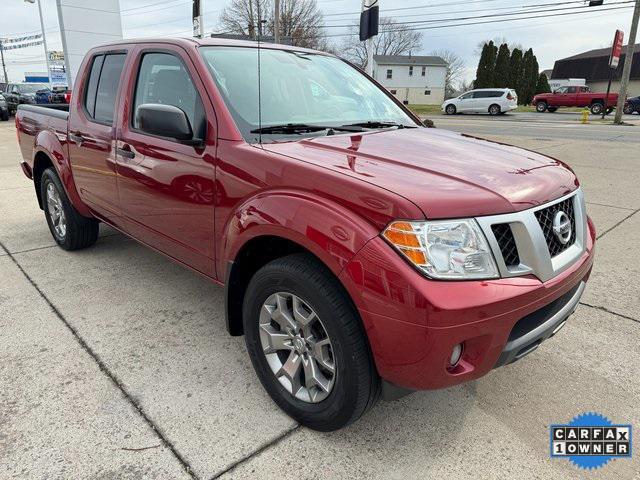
<point>167,187</point>
<point>92,135</point>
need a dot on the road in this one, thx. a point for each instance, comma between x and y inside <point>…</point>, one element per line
<point>546,126</point>
<point>115,362</point>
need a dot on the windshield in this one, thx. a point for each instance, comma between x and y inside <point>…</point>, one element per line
<point>33,87</point>
<point>295,88</point>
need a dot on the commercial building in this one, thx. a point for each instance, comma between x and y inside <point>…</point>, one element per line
<point>593,66</point>
<point>418,80</point>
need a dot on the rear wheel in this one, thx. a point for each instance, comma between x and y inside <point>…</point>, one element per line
<point>70,230</point>
<point>494,109</point>
<point>5,115</point>
<point>450,109</point>
<point>596,108</point>
<point>307,344</point>
<point>541,107</point>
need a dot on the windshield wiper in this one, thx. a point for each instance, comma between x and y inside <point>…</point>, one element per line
<point>376,124</point>
<point>292,128</point>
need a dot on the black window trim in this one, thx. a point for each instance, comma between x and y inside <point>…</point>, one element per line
<point>132,113</point>
<point>85,87</point>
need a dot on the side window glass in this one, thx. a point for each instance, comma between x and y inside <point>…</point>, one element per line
<point>163,79</point>
<point>108,87</point>
<point>572,89</point>
<point>92,85</point>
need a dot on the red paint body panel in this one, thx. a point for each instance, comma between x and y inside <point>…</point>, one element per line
<point>578,99</point>
<point>331,195</point>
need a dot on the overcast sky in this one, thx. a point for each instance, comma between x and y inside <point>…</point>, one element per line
<point>551,38</point>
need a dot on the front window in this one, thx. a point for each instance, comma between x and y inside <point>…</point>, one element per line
<point>295,88</point>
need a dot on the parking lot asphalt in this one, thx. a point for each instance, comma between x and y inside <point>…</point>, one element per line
<point>115,363</point>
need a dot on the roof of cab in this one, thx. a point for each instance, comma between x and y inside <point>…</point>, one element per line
<point>209,41</point>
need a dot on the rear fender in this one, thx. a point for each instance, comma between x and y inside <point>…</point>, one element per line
<point>52,145</point>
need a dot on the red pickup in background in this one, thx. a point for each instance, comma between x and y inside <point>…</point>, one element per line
<point>575,96</point>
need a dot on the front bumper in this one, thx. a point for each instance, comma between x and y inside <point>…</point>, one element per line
<point>413,323</point>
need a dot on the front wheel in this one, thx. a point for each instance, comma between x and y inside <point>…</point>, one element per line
<point>5,115</point>
<point>307,344</point>
<point>450,109</point>
<point>597,108</point>
<point>628,109</point>
<point>541,107</point>
<point>70,230</point>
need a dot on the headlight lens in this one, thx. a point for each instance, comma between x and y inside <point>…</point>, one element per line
<point>448,249</point>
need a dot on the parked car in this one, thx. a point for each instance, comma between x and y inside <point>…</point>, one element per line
<point>483,100</point>
<point>22,93</point>
<point>632,105</point>
<point>362,254</point>
<point>4,109</point>
<point>575,96</point>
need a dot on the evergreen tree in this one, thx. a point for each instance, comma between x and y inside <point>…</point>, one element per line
<point>515,72</point>
<point>543,84</point>
<point>526,93</point>
<point>486,66</point>
<point>533,78</point>
<point>501,74</point>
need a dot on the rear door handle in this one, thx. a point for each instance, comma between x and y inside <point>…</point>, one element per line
<point>76,138</point>
<point>126,152</point>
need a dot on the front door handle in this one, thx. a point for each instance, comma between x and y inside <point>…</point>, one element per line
<point>126,152</point>
<point>76,138</point>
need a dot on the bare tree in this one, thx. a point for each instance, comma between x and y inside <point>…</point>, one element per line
<point>300,20</point>
<point>393,39</point>
<point>455,69</point>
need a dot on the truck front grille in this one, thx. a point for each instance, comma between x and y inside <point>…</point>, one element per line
<point>507,244</point>
<point>545,218</point>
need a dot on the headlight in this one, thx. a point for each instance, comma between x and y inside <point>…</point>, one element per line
<point>447,249</point>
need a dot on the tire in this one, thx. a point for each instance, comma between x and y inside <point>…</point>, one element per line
<point>552,109</point>
<point>628,109</point>
<point>494,110</point>
<point>541,107</point>
<point>596,108</point>
<point>354,387</point>
<point>450,109</point>
<point>70,230</point>
<point>5,115</point>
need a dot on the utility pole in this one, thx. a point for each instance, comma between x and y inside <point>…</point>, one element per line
<point>369,19</point>
<point>4,66</point>
<point>276,22</point>
<point>198,27</point>
<point>44,37</point>
<point>626,72</point>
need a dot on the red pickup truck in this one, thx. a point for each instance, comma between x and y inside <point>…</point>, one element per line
<point>362,254</point>
<point>575,96</point>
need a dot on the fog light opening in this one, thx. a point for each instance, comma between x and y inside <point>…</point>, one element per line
<point>456,354</point>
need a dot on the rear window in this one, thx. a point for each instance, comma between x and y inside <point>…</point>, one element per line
<point>102,87</point>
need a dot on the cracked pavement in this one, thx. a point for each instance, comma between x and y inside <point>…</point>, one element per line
<point>115,363</point>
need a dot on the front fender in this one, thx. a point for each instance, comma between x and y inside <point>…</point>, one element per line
<point>327,229</point>
<point>53,144</point>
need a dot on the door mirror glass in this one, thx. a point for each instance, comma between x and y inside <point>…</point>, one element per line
<point>164,121</point>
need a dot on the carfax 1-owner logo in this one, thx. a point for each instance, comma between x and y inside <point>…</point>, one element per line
<point>590,441</point>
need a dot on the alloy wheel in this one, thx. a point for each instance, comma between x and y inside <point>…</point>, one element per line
<point>297,347</point>
<point>56,211</point>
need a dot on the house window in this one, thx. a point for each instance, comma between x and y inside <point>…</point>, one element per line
<point>424,71</point>
<point>389,73</point>
<point>427,92</point>
<point>411,71</point>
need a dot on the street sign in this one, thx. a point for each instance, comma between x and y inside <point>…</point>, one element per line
<point>616,50</point>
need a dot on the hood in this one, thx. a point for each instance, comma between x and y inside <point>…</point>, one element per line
<point>446,174</point>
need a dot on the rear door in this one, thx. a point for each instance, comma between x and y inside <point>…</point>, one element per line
<point>92,134</point>
<point>167,188</point>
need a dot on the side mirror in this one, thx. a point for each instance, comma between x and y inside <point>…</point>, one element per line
<point>164,121</point>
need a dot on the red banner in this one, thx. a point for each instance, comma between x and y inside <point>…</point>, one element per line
<point>616,50</point>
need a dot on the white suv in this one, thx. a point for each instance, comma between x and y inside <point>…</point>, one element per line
<point>483,100</point>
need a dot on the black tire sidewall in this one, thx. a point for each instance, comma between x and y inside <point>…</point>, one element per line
<point>596,108</point>
<point>340,407</point>
<point>492,107</point>
<point>541,107</point>
<point>450,109</point>
<point>49,177</point>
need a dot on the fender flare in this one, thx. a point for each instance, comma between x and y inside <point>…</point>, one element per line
<point>327,229</point>
<point>54,146</point>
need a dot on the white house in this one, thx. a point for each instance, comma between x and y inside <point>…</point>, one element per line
<point>412,79</point>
